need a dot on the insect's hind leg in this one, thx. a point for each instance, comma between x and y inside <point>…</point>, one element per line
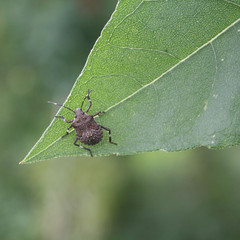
<point>82,146</point>
<point>109,134</point>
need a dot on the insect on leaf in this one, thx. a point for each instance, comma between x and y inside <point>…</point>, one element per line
<point>167,74</point>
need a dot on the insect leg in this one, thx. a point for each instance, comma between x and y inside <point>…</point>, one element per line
<point>98,113</point>
<point>64,119</point>
<point>90,102</point>
<point>109,134</point>
<point>67,131</point>
<point>82,146</point>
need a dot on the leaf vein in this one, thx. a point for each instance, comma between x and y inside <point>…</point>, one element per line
<point>233,3</point>
<point>173,67</point>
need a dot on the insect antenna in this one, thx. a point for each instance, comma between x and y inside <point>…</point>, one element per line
<point>57,104</point>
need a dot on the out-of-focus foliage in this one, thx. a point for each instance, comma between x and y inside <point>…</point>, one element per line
<point>188,195</point>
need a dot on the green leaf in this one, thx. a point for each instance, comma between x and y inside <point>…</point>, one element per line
<point>167,74</point>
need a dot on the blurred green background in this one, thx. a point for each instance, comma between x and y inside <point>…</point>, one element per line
<point>188,195</point>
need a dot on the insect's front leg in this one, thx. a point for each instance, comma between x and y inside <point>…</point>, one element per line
<point>98,113</point>
<point>109,134</point>
<point>65,120</point>
<point>67,131</point>
<point>90,102</point>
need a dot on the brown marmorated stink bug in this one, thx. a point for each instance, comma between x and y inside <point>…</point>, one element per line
<point>88,131</point>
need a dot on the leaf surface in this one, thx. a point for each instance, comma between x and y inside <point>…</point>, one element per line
<point>167,74</point>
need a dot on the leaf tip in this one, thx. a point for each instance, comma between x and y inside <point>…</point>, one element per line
<point>22,162</point>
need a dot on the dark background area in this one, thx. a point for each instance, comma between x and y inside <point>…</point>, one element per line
<point>188,195</point>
